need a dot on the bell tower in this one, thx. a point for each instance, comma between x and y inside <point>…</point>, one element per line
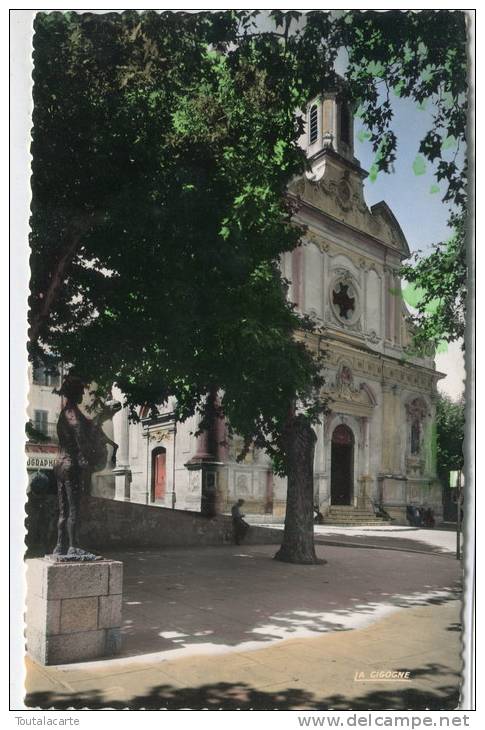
<point>330,125</point>
<point>329,136</point>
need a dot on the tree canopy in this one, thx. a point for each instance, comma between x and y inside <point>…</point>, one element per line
<point>162,145</point>
<point>450,430</point>
<point>441,283</point>
<point>160,165</point>
<point>421,56</point>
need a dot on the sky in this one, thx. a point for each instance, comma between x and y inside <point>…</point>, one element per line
<point>415,199</point>
<point>421,213</point>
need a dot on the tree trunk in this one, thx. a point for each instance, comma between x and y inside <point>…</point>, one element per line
<point>298,545</point>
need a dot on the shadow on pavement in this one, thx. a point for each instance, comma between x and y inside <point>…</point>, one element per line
<point>174,599</point>
<point>384,542</point>
<point>241,696</point>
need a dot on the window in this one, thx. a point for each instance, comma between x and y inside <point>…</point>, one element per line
<point>40,421</point>
<point>45,375</point>
<point>415,437</point>
<point>345,124</point>
<point>417,412</point>
<point>313,124</point>
<point>342,300</point>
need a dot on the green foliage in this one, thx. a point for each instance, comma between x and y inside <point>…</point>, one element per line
<point>440,279</point>
<point>450,426</point>
<point>419,165</point>
<point>163,145</point>
<point>422,56</point>
<point>172,156</point>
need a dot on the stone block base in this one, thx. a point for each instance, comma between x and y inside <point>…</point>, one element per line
<point>73,610</point>
<point>279,508</point>
<point>397,514</point>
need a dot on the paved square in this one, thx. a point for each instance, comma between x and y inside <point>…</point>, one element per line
<point>228,627</point>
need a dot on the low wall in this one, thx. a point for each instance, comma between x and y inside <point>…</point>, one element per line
<point>111,523</point>
<point>107,523</point>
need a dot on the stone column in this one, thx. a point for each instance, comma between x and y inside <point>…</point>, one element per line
<point>363,499</point>
<point>297,293</point>
<point>397,428</point>
<point>387,428</point>
<point>433,435</point>
<point>389,304</point>
<point>122,470</point>
<point>204,461</point>
<point>397,310</point>
<point>204,450</point>
<point>363,285</point>
<point>319,464</point>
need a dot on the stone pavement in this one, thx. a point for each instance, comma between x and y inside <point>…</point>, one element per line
<point>397,537</point>
<point>228,627</point>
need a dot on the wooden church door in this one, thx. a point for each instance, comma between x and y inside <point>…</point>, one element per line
<point>159,474</point>
<point>341,480</point>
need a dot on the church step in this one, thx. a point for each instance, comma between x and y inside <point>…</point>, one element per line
<point>355,524</point>
<point>371,521</point>
<point>354,519</point>
<point>349,508</point>
<point>351,513</point>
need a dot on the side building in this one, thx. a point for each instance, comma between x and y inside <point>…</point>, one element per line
<point>43,411</point>
<point>42,444</point>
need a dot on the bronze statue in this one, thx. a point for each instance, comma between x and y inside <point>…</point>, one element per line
<point>83,450</point>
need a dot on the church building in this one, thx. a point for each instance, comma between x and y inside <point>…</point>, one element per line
<point>376,445</point>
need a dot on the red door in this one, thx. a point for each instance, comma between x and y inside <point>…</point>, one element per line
<point>159,471</point>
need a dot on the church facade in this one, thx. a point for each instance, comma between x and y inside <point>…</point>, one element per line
<point>376,445</point>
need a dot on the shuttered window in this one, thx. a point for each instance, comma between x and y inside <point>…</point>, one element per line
<point>345,124</point>
<point>313,124</point>
<point>40,421</point>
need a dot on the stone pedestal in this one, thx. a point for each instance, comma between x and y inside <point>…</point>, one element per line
<point>122,479</point>
<point>73,610</point>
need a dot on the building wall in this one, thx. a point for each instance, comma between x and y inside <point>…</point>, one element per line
<point>384,378</point>
<point>41,456</point>
<point>345,276</point>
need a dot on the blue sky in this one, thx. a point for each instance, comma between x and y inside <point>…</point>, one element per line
<point>421,213</point>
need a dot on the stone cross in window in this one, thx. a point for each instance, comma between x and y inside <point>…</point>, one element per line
<point>343,301</point>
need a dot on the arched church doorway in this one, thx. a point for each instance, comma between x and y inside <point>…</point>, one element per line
<point>159,474</point>
<point>342,465</point>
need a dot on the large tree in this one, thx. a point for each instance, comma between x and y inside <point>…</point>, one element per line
<point>162,148</point>
<point>159,213</point>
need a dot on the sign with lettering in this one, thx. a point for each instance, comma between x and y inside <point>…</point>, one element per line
<point>41,461</point>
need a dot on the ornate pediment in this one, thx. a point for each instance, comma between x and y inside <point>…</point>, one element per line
<point>159,435</point>
<point>417,409</point>
<point>347,397</point>
<point>389,223</point>
<point>335,187</point>
<point>333,190</point>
